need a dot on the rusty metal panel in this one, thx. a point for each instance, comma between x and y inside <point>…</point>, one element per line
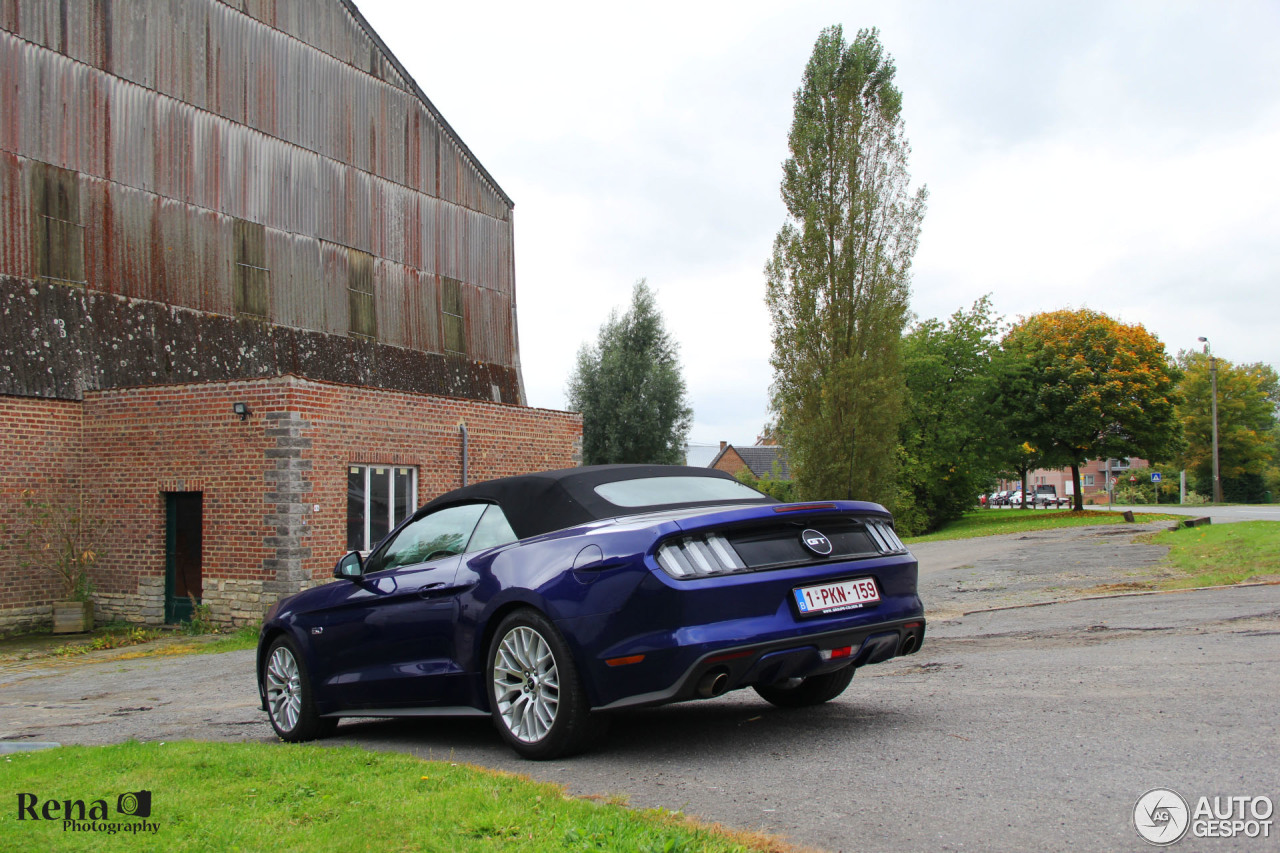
<point>241,66</point>
<point>15,213</point>
<point>425,289</point>
<point>327,27</point>
<point>10,15</point>
<point>333,260</point>
<point>13,71</point>
<point>298,284</point>
<point>182,116</point>
<point>488,325</point>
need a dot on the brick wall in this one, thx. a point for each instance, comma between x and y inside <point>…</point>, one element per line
<point>729,460</point>
<point>275,485</point>
<point>143,442</point>
<point>350,425</point>
<point>40,451</point>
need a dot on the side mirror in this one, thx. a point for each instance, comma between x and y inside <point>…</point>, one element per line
<point>350,567</point>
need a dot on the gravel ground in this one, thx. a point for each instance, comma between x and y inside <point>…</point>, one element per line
<point>106,697</point>
<point>1015,728</point>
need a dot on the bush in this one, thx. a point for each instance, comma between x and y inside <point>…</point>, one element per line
<point>780,490</point>
<point>1134,495</point>
<point>201,619</point>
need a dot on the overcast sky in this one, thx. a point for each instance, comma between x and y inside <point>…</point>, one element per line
<point>1122,156</point>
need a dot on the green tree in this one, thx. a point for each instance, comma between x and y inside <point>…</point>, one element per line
<point>1247,398</point>
<point>771,484</point>
<point>1077,385</point>
<point>839,277</point>
<point>630,391</point>
<point>1271,476</point>
<point>948,437</point>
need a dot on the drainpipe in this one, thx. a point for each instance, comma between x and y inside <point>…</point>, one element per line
<point>462,428</point>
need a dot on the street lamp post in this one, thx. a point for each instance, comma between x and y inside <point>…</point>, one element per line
<point>1213,383</point>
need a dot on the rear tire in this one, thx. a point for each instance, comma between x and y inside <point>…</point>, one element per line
<point>536,697</point>
<point>813,690</point>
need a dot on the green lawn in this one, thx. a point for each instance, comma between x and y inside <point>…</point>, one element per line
<point>990,522</point>
<point>1221,554</point>
<point>268,797</point>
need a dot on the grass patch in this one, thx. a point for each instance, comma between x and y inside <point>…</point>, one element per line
<point>1221,554</point>
<point>244,637</point>
<point>992,522</point>
<point>250,797</point>
<point>108,638</point>
<point>148,642</point>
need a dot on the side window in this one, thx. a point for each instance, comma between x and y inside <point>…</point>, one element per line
<point>492,531</point>
<point>431,537</point>
<point>378,498</point>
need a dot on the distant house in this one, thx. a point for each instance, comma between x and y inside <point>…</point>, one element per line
<point>257,299</point>
<point>760,459</point>
<point>1095,474</point>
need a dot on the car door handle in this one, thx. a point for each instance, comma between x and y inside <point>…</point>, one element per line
<point>435,590</point>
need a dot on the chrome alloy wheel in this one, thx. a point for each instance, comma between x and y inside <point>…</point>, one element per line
<point>284,689</point>
<point>526,684</point>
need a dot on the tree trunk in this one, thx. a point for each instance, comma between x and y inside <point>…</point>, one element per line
<point>1077,499</point>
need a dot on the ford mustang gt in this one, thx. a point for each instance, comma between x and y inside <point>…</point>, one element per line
<point>547,601</point>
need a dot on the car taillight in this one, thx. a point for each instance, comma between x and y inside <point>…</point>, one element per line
<point>703,556</point>
<point>885,537</point>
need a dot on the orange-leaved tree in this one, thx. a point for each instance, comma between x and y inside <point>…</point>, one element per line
<point>1078,385</point>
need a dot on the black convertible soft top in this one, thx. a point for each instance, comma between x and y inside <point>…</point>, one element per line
<point>553,500</point>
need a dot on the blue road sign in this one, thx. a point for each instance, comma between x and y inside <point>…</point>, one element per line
<point>1155,476</point>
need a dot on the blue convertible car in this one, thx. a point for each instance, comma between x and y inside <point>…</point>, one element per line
<point>549,600</point>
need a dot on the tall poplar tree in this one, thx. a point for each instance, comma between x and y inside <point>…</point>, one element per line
<point>839,278</point>
<point>630,390</point>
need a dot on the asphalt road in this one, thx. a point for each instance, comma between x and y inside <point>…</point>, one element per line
<point>1027,728</point>
<point>1220,514</point>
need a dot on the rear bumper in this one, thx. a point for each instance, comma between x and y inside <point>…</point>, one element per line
<point>769,662</point>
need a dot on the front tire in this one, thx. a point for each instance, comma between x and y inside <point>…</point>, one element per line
<point>290,703</point>
<point>536,697</point>
<point>813,690</point>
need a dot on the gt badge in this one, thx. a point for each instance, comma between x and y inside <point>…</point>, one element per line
<point>816,542</point>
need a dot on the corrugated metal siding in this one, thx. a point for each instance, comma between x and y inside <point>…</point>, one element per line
<point>181,116</point>
<point>127,135</point>
<point>341,98</point>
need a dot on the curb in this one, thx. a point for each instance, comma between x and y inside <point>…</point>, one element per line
<point>1121,595</point>
<point>10,747</point>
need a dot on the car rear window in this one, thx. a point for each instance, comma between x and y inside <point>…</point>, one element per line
<point>666,491</point>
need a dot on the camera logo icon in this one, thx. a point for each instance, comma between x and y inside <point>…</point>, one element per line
<point>134,804</point>
<point>1161,816</point>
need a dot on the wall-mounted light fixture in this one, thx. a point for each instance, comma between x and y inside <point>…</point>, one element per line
<point>241,409</point>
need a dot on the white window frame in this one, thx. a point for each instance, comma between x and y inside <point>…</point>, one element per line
<point>392,521</point>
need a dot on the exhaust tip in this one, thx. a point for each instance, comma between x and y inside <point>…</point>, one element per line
<point>910,643</point>
<point>713,683</point>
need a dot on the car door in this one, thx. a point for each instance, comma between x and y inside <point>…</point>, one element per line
<point>389,640</point>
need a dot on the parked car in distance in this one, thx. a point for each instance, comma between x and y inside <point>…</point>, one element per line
<point>548,601</point>
<point>1047,496</point>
